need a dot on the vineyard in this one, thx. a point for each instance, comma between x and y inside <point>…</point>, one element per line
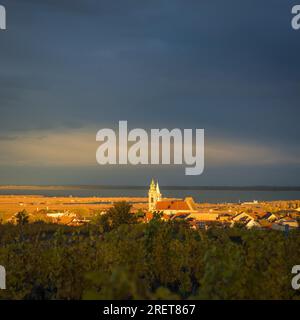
<point>116,257</point>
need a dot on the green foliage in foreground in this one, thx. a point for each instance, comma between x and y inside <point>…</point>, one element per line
<point>22,218</point>
<point>158,260</point>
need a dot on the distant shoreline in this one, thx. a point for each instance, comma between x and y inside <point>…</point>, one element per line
<point>116,187</point>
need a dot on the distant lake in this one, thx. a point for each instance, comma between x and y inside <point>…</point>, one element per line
<point>200,195</point>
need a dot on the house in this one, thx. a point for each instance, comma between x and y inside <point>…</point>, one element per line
<point>205,216</point>
<point>79,222</point>
<point>57,215</point>
<point>285,224</point>
<point>244,217</point>
<point>65,221</point>
<point>255,202</point>
<point>287,221</point>
<point>253,224</point>
<point>172,207</point>
<point>181,216</point>
<point>265,224</point>
<point>270,216</point>
<point>66,217</point>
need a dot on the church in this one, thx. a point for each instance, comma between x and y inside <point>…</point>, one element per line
<point>154,196</point>
<point>169,207</point>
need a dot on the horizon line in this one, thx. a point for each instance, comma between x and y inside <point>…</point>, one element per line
<point>143,187</point>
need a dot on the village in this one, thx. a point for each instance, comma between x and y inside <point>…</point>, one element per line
<point>276,215</point>
<point>248,214</point>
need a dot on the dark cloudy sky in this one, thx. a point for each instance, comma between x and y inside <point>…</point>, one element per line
<point>70,68</point>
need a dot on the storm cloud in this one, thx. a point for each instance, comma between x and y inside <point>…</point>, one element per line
<point>232,68</point>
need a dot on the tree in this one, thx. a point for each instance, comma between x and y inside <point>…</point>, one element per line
<point>157,216</point>
<point>120,214</point>
<point>22,218</point>
<point>140,214</point>
<point>102,222</point>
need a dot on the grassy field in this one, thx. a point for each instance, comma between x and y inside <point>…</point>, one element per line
<point>9,205</point>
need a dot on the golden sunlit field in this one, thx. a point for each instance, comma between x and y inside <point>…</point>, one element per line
<point>9,205</point>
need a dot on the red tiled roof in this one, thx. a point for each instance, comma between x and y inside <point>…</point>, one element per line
<point>172,205</point>
<point>65,220</point>
<point>149,216</point>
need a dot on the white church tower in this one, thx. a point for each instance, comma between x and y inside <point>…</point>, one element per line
<point>154,195</point>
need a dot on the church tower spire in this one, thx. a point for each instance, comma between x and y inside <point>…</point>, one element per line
<point>158,194</point>
<point>154,195</point>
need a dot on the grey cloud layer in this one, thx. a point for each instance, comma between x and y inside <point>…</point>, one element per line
<point>231,68</point>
